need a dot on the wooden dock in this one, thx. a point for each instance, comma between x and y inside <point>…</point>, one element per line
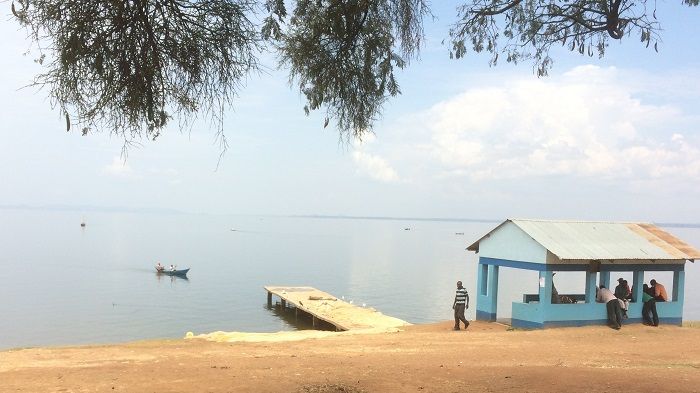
<point>325,307</point>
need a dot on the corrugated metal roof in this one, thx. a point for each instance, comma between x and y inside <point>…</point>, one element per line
<point>580,240</point>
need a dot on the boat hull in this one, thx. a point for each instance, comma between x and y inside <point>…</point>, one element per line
<point>181,273</point>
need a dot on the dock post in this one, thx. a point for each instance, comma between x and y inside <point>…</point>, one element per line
<point>296,313</point>
<point>269,299</point>
<point>313,321</point>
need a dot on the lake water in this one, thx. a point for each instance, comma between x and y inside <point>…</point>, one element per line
<point>62,284</point>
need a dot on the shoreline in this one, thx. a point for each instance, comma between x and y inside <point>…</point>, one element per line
<point>279,336</point>
<point>425,358</point>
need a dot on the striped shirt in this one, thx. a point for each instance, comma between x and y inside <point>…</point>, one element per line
<point>462,296</point>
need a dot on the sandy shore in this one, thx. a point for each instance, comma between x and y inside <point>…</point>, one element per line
<point>421,358</point>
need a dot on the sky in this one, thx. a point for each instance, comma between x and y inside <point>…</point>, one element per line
<point>599,139</point>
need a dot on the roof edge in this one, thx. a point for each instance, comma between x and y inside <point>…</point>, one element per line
<point>475,246</point>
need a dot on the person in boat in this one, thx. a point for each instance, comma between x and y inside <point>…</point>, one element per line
<point>172,268</point>
<point>160,267</point>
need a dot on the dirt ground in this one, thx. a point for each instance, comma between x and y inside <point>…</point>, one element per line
<point>421,358</point>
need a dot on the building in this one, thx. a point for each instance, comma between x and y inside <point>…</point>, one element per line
<point>596,248</point>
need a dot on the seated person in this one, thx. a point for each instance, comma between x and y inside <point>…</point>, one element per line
<point>622,290</point>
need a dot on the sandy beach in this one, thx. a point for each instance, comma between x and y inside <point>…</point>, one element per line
<point>488,357</point>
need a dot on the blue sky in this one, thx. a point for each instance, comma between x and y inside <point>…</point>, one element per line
<point>610,139</point>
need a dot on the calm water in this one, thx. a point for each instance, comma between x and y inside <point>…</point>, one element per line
<point>62,284</point>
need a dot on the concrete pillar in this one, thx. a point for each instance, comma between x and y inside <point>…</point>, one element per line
<point>546,289</point>
<point>605,279</point>
<point>493,284</point>
<point>269,299</point>
<point>487,292</point>
<point>493,289</point>
<point>637,285</point>
<point>590,286</point>
<point>482,280</point>
<point>678,287</point>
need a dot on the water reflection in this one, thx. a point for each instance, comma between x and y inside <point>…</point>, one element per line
<point>172,279</point>
<point>297,319</point>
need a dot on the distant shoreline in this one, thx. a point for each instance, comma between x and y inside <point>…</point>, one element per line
<point>144,210</point>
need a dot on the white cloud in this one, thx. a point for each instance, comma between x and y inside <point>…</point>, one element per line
<point>375,167</point>
<point>118,168</point>
<point>587,122</point>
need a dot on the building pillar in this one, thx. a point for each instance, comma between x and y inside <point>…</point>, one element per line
<point>591,286</point>
<point>605,279</point>
<point>545,287</point>
<point>482,275</point>
<point>678,287</point>
<point>487,292</point>
<point>637,285</point>
<point>493,286</point>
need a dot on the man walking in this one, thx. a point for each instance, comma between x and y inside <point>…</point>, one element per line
<point>460,304</point>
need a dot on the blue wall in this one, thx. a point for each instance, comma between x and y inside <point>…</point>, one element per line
<point>544,314</point>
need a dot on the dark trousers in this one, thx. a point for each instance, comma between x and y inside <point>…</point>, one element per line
<point>614,313</point>
<point>649,314</point>
<point>459,316</point>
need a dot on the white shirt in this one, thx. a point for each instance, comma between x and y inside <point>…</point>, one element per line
<point>604,295</point>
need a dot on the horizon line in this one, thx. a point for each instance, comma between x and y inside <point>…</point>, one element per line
<point>157,210</point>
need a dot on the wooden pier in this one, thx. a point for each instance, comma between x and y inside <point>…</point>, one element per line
<point>325,307</point>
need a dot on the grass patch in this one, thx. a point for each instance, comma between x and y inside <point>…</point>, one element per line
<point>330,388</point>
<point>691,324</point>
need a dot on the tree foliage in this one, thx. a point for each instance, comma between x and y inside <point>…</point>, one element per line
<point>130,66</point>
<point>344,53</point>
<point>527,29</point>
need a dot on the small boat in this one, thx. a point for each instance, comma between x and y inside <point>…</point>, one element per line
<point>168,272</point>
